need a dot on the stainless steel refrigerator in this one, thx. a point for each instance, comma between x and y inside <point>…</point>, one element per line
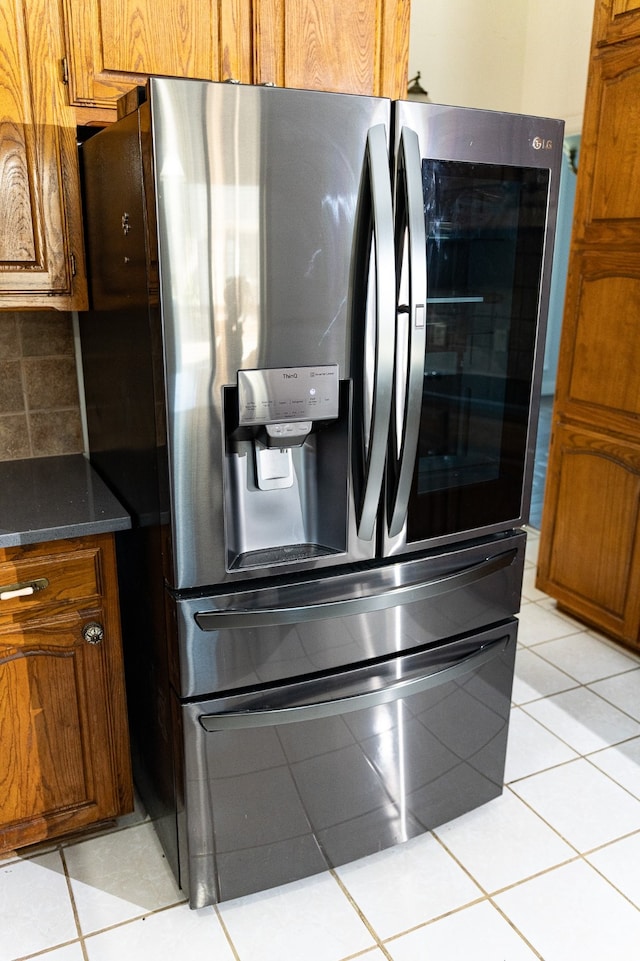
<point>311,372</point>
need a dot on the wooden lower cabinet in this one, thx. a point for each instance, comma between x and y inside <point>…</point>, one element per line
<point>64,737</point>
<point>590,557</point>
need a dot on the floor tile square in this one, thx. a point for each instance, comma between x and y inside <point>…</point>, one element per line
<point>532,748</point>
<point>166,936</point>
<point>478,932</point>
<point>503,842</point>
<point>407,885</point>
<point>120,876</point>
<point>310,919</point>
<point>529,589</point>
<point>572,912</point>
<point>623,691</point>
<point>538,623</point>
<point>622,763</point>
<point>620,864</point>
<point>535,678</point>
<point>587,659</point>
<point>70,952</point>
<point>584,720</point>
<point>583,805</point>
<point>35,907</point>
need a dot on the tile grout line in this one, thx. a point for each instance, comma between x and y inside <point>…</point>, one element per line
<point>354,904</point>
<point>74,907</point>
<point>226,932</point>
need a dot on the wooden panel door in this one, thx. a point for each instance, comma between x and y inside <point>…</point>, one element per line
<point>590,559</point>
<point>607,209</point>
<point>57,774</point>
<point>598,381</point>
<point>616,20</point>
<point>113,45</point>
<point>41,252</point>
<point>357,46</point>
<point>64,747</point>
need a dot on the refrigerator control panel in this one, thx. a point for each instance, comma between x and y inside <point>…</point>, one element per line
<point>288,395</point>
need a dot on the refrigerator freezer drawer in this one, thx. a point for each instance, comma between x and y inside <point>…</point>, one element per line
<point>263,635</point>
<point>288,782</point>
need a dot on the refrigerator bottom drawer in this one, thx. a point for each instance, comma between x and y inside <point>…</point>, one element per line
<point>269,803</point>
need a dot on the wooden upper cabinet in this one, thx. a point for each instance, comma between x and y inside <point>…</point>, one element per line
<point>354,46</point>
<point>41,252</point>
<point>616,20</point>
<point>607,207</point>
<point>114,44</point>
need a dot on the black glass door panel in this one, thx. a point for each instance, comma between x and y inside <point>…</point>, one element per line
<point>485,228</point>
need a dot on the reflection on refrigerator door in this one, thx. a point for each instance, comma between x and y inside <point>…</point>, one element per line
<point>348,780</point>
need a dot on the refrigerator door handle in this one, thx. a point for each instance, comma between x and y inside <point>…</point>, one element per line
<point>407,594</point>
<point>409,164</point>
<point>382,375</point>
<point>456,668</point>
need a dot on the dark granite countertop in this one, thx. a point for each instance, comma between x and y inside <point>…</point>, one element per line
<point>49,498</point>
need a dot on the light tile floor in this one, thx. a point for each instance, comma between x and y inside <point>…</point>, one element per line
<point>551,870</point>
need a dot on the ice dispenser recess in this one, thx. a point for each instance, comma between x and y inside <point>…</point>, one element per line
<point>286,465</point>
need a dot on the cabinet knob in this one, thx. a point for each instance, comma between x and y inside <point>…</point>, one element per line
<point>93,632</point>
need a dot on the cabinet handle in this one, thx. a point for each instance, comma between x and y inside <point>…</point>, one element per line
<point>24,589</point>
<point>93,632</point>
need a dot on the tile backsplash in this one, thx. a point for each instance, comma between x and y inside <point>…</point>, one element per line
<point>39,403</point>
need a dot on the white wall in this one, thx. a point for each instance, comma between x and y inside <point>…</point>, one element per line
<point>527,56</point>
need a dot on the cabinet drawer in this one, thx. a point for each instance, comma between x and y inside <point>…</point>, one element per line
<point>40,585</point>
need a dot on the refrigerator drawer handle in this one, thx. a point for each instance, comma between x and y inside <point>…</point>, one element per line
<point>238,720</point>
<point>216,620</point>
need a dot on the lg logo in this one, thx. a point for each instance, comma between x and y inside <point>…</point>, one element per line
<point>539,144</point>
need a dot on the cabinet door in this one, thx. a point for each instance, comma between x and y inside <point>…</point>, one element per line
<point>114,44</point>
<point>354,46</point>
<point>64,748</point>
<point>616,20</point>
<point>598,380</point>
<point>57,728</point>
<point>590,558</point>
<point>607,209</point>
<point>41,254</point>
